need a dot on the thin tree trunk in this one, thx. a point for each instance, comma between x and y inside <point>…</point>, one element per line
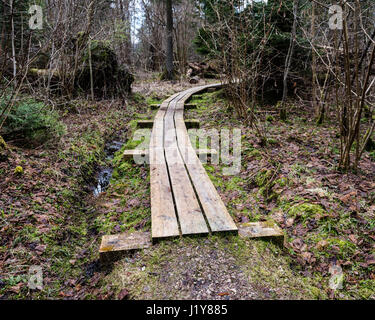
<point>318,105</point>
<point>91,73</point>
<point>125,16</point>
<point>13,44</point>
<point>288,60</point>
<point>169,61</point>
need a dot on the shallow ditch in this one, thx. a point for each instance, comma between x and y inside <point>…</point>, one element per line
<point>104,174</point>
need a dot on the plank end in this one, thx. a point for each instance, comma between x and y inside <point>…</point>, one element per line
<point>145,124</point>
<point>155,106</point>
<point>267,229</point>
<point>116,246</point>
<point>131,154</point>
<point>192,124</point>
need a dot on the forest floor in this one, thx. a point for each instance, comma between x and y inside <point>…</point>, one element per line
<point>50,218</point>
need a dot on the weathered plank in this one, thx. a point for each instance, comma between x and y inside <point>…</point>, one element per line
<point>145,124</point>
<point>113,246</point>
<point>130,154</point>
<point>125,242</point>
<point>189,213</point>
<point>148,124</point>
<point>163,215</point>
<point>265,229</point>
<point>155,106</point>
<point>216,213</point>
<point>192,124</point>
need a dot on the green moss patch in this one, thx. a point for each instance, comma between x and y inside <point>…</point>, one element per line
<point>306,211</point>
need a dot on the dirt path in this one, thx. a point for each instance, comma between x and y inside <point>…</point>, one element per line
<point>214,268</point>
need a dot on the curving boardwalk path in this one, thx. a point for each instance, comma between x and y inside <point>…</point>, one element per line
<point>183,199</point>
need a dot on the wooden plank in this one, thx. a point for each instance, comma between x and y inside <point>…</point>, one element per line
<point>190,216</point>
<point>155,106</point>
<point>145,124</point>
<point>130,154</point>
<point>214,208</point>
<point>114,246</point>
<point>148,124</point>
<point>265,229</point>
<point>192,124</point>
<point>163,216</point>
<point>125,242</point>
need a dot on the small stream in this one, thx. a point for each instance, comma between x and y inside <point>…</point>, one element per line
<point>105,173</point>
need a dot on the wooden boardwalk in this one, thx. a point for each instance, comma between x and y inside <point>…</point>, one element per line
<point>183,199</point>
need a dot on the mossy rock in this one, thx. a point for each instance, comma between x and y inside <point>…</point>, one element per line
<point>109,79</point>
<point>306,211</point>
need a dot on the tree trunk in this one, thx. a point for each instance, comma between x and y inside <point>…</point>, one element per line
<point>13,44</point>
<point>288,60</point>
<point>125,16</point>
<point>169,57</point>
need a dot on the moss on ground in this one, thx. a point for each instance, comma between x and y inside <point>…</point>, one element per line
<point>58,229</point>
<point>306,211</point>
<point>126,205</point>
<point>290,179</point>
<point>3,145</point>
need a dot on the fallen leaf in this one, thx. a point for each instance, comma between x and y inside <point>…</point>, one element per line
<point>322,244</point>
<point>308,257</point>
<point>134,203</point>
<point>370,260</point>
<point>353,238</point>
<point>245,219</point>
<point>289,222</point>
<point>40,249</point>
<point>297,244</point>
<point>222,294</point>
<point>16,288</point>
<point>123,295</point>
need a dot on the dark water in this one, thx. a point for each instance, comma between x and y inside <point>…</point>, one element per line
<point>105,174</point>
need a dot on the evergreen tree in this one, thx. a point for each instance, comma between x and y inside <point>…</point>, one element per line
<point>276,14</point>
